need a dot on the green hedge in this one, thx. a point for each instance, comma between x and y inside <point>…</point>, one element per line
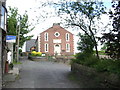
<point>101,65</point>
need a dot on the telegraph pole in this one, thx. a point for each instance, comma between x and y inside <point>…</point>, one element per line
<point>18,39</point>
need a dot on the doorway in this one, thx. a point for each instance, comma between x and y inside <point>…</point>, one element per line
<point>57,49</point>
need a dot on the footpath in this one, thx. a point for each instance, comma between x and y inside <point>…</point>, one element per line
<point>12,75</point>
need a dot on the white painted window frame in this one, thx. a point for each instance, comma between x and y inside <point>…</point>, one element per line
<point>58,34</point>
<point>46,46</point>
<point>67,47</point>
<point>46,36</point>
<point>67,37</point>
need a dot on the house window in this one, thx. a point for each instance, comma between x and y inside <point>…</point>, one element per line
<point>67,37</point>
<point>57,34</point>
<point>46,36</point>
<point>46,47</point>
<point>67,47</point>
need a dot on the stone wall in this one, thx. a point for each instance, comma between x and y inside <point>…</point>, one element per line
<point>62,59</point>
<point>102,79</point>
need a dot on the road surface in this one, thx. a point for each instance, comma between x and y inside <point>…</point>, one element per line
<point>43,74</point>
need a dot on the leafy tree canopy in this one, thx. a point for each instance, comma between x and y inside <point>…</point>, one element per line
<point>85,15</point>
<point>85,45</point>
<point>13,22</point>
<point>112,39</point>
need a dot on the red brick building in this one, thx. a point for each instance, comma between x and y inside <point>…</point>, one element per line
<point>56,40</point>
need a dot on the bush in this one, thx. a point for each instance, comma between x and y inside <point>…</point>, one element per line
<point>11,65</point>
<point>80,56</point>
<point>90,61</point>
<point>20,52</point>
<point>101,65</point>
<point>114,66</point>
<point>34,53</point>
<point>85,59</point>
<point>38,53</point>
<point>109,65</point>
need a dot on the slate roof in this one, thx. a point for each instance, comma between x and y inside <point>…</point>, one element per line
<point>29,44</point>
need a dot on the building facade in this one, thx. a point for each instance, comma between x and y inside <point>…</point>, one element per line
<point>56,41</point>
<point>3,53</point>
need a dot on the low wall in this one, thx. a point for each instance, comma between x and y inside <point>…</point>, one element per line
<point>60,60</point>
<point>36,58</point>
<point>102,79</point>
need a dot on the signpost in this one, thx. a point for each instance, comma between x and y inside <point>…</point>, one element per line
<point>10,40</point>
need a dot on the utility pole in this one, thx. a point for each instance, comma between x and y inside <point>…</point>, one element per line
<point>18,39</point>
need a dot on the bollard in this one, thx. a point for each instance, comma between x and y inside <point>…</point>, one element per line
<point>6,67</point>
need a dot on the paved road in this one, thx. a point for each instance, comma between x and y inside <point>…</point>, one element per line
<point>43,74</point>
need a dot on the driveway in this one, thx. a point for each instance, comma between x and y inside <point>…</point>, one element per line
<point>43,74</point>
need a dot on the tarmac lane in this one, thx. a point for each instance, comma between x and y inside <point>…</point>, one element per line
<point>43,74</point>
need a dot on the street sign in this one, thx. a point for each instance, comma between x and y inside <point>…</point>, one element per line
<point>10,38</point>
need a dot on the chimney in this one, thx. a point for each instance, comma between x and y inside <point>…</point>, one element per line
<point>56,24</point>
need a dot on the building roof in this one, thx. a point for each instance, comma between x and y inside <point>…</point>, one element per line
<point>29,44</point>
<point>56,26</point>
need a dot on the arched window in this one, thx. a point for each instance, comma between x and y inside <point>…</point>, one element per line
<point>46,36</point>
<point>46,47</point>
<point>67,37</point>
<point>67,47</point>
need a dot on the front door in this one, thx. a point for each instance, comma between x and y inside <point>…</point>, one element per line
<point>57,49</point>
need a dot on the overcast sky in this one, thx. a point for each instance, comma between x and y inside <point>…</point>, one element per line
<point>35,12</point>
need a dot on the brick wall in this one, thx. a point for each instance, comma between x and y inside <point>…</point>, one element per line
<point>51,31</point>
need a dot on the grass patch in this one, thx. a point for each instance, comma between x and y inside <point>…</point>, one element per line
<point>17,63</point>
<point>102,53</point>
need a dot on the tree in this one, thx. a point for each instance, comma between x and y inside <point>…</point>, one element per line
<point>83,15</point>
<point>104,47</point>
<point>13,27</point>
<point>12,21</point>
<point>85,45</point>
<point>112,39</point>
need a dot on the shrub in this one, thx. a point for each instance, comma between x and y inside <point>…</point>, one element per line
<point>85,58</point>
<point>20,52</point>
<point>101,65</point>
<point>34,53</point>
<point>38,53</point>
<point>11,65</point>
<point>114,66</point>
<point>90,61</point>
<point>80,56</point>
